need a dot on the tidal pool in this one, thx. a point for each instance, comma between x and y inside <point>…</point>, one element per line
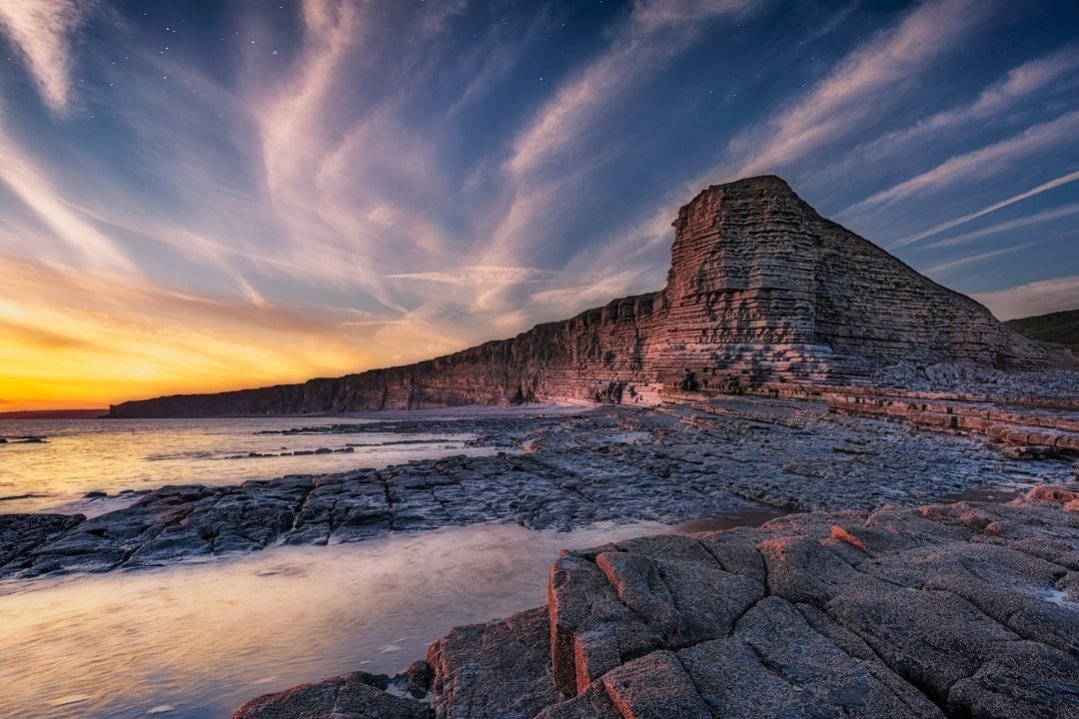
<point>194,641</point>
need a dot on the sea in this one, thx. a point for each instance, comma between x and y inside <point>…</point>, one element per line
<point>114,456</point>
<point>196,640</point>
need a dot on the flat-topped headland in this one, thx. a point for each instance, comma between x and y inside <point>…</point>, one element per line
<point>763,295</point>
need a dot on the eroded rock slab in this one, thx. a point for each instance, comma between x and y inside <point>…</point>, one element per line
<point>22,533</point>
<point>960,610</point>
<point>470,663</point>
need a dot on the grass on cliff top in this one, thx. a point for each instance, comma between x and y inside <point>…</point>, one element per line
<point>1057,329</point>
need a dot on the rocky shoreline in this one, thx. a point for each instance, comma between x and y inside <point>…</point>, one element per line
<point>969,609</point>
<point>948,610</point>
<point>671,464</point>
<point>854,602</point>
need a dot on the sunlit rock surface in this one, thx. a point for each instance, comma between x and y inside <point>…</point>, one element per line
<point>762,292</point>
<point>955,610</point>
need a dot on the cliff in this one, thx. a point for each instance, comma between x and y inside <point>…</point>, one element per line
<point>762,291</point>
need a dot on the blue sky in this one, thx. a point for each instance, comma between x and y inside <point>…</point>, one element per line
<point>206,195</point>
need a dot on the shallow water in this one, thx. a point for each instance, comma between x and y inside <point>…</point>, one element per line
<point>195,641</point>
<point>81,456</point>
<point>728,520</point>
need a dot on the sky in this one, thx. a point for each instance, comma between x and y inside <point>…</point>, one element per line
<point>199,196</point>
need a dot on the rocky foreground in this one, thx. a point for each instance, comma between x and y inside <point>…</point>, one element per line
<point>949,610</point>
<point>672,465</point>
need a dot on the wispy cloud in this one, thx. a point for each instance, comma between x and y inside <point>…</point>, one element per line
<point>992,106</point>
<point>291,123</point>
<point>944,226</point>
<point>833,22</point>
<point>555,155</point>
<point>477,275</point>
<point>988,160</point>
<point>655,32</point>
<point>598,290</point>
<point>1044,216</point>
<point>1020,82</point>
<point>860,88</point>
<point>30,184</point>
<point>43,31</point>
<point>1033,298</point>
<point>951,265</point>
<point>29,335</point>
<point>349,181</point>
<point>633,261</point>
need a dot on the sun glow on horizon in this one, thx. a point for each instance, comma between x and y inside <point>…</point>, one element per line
<point>71,341</point>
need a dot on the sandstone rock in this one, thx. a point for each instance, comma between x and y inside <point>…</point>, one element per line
<point>922,613</point>
<point>501,668</point>
<point>350,696</point>
<point>655,686</point>
<point>778,664</point>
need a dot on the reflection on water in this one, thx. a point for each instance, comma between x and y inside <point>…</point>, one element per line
<point>81,456</point>
<point>730,520</point>
<point>196,641</point>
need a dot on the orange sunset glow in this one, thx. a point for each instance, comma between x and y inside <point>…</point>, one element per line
<point>73,341</point>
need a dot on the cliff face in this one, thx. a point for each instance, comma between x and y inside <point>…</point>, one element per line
<point>761,291</point>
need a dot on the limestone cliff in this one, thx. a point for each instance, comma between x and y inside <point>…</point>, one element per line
<point>762,292</point>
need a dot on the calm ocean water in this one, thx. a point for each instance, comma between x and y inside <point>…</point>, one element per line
<point>196,640</point>
<point>80,456</point>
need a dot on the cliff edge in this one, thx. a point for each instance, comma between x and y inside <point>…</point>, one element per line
<point>762,292</point>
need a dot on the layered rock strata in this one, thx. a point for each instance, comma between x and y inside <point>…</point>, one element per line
<point>1021,433</point>
<point>761,291</point>
<point>961,610</point>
